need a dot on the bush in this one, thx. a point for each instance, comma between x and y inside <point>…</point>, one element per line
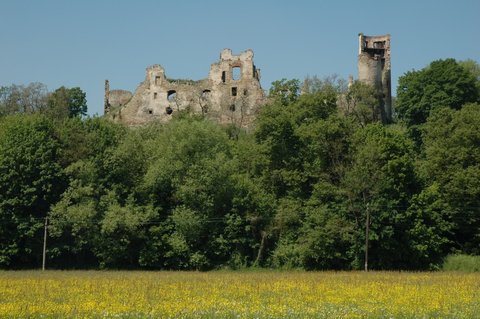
<point>461,263</point>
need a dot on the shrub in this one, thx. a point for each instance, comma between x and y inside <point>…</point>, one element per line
<point>462,263</point>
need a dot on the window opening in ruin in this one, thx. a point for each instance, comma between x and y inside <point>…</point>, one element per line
<point>236,73</point>
<point>245,92</point>
<point>223,76</point>
<point>168,110</point>
<point>155,95</point>
<point>234,91</point>
<point>150,111</point>
<point>171,95</point>
<point>157,80</point>
<point>379,45</point>
<point>232,107</point>
<point>205,94</point>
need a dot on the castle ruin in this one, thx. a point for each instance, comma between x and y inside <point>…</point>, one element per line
<point>374,69</point>
<point>231,94</point>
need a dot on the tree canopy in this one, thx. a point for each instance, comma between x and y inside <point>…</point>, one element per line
<point>35,98</point>
<point>297,191</point>
<point>64,102</point>
<point>444,83</point>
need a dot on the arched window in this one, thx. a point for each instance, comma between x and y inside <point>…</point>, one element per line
<point>172,96</point>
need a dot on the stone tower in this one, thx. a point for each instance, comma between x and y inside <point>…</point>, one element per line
<point>374,69</point>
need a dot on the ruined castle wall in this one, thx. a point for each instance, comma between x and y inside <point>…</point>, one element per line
<point>119,97</point>
<point>231,94</point>
<point>128,113</point>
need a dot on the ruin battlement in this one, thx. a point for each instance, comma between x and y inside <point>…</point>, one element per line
<point>231,94</point>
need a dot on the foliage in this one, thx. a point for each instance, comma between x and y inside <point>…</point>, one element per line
<point>35,98</point>
<point>292,193</point>
<point>472,67</point>
<point>20,99</point>
<point>381,180</point>
<point>285,91</point>
<point>444,83</point>
<point>464,263</point>
<point>361,101</point>
<point>452,163</point>
<point>64,102</point>
<point>30,181</point>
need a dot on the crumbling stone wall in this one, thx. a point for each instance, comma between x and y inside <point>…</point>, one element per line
<point>120,97</point>
<point>231,94</point>
<point>374,68</point>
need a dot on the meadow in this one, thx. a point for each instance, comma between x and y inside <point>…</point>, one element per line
<point>224,294</point>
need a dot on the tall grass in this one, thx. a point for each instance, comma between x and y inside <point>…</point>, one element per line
<point>462,263</point>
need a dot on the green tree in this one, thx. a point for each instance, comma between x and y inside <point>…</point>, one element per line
<point>380,183</point>
<point>431,233</point>
<point>305,144</point>
<point>474,68</point>
<point>65,102</point>
<point>275,131</point>
<point>444,83</point>
<point>75,227</point>
<point>361,101</point>
<point>452,164</point>
<point>189,175</point>
<point>325,239</point>
<point>30,181</point>
<point>20,99</point>
<point>285,91</point>
<point>90,154</point>
<point>280,129</point>
<point>124,230</point>
<point>213,212</point>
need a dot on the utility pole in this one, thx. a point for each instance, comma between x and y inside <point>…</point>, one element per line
<point>44,244</point>
<point>367,228</point>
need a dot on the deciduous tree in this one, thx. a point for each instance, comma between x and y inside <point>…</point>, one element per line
<point>65,102</point>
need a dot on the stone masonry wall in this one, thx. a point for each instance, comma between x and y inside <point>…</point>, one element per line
<point>231,94</point>
<point>374,68</point>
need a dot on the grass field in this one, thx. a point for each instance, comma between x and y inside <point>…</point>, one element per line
<point>97,294</point>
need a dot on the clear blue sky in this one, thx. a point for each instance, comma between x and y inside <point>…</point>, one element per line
<point>82,43</point>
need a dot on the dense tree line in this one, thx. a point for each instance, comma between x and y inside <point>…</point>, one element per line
<point>35,98</point>
<point>293,193</point>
